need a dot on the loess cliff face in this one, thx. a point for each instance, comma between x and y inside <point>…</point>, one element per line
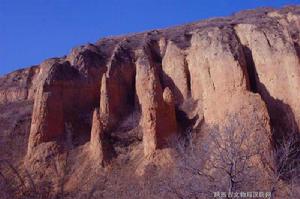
<point>151,87</point>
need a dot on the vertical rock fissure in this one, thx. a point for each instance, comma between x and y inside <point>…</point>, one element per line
<point>156,58</point>
<point>251,70</point>
<point>210,77</point>
<point>268,41</point>
<point>188,75</point>
<point>297,49</point>
<point>282,121</point>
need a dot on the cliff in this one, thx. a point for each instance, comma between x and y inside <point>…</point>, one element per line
<point>145,89</point>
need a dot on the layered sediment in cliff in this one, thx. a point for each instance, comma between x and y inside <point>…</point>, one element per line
<point>173,78</point>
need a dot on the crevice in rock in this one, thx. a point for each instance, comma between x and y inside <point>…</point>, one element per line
<point>209,74</point>
<point>251,70</point>
<point>32,72</point>
<point>168,81</point>
<point>188,74</point>
<point>155,51</point>
<point>282,119</point>
<point>184,121</point>
<point>186,115</point>
<point>283,124</point>
<point>297,49</point>
<point>156,58</point>
<point>269,43</point>
<point>247,63</point>
<point>295,36</point>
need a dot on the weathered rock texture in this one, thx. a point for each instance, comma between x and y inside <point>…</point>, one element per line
<point>157,106</point>
<point>97,138</point>
<point>19,85</point>
<point>216,66</point>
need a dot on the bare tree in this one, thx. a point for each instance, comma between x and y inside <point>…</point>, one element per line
<point>235,154</point>
<point>238,158</point>
<point>283,164</point>
<point>99,186</point>
<point>226,159</point>
<point>16,183</point>
<point>62,164</point>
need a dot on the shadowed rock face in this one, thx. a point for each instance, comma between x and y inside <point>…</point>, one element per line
<point>219,64</point>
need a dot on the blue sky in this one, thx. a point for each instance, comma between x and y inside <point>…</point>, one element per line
<point>33,30</point>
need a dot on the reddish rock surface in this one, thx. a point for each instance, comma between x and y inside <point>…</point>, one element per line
<point>157,106</point>
<point>97,138</point>
<point>206,62</point>
<point>142,90</point>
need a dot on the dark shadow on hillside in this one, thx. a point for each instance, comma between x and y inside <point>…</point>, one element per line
<point>168,82</point>
<point>282,118</point>
<point>284,127</point>
<point>297,49</point>
<point>252,76</point>
<point>184,121</point>
<point>283,122</point>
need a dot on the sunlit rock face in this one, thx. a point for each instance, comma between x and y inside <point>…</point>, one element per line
<point>169,79</point>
